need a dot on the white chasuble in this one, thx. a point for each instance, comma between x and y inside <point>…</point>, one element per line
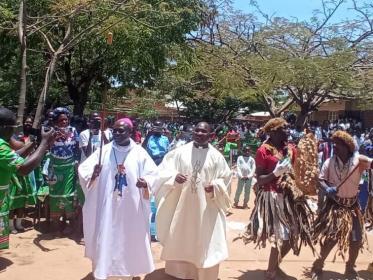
<point>116,228</point>
<point>191,223</point>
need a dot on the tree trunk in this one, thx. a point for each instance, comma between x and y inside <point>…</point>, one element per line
<point>43,95</point>
<point>79,96</point>
<point>80,102</point>
<point>303,115</point>
<point>23,81</point>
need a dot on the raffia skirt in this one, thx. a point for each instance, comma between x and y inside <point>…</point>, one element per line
<point>278,217</point>
<point>341,222</point>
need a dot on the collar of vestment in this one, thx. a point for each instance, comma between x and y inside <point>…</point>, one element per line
<point>200,147</point>
<point>124,149</point>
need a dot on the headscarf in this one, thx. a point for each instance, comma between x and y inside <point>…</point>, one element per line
<point>60,111</point>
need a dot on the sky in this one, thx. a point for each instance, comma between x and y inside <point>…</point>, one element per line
<point>301,9</point>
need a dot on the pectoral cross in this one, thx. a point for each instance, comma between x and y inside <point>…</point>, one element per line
<point>120,179</point>
<point>195,179</point>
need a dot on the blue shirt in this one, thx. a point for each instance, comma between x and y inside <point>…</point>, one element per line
<point>157,146</point>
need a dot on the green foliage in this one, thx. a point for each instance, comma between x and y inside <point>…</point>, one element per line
<point>213,64</point>
<point>206,89</point>
<point>145,36</point>
<point>145,109</point>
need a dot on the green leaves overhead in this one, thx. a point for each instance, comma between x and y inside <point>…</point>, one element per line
<point>145,33</point>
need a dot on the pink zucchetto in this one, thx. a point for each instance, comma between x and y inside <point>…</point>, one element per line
<point>126,121</point>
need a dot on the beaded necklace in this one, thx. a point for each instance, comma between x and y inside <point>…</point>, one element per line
<point>342,170</point>
<point>120,177</point>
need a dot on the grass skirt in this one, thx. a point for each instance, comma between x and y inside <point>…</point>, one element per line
<point>278,217</point>
<point>341,223</point>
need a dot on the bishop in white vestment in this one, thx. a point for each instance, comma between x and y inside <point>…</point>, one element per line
<point>116,213</point>
<point>192,202</point>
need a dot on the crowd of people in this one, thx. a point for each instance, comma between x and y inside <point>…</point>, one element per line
<point>98,178</point>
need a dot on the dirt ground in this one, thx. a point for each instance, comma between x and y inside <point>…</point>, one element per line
<point>36,255</point>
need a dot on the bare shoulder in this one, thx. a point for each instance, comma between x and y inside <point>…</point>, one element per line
<point>364,159</point>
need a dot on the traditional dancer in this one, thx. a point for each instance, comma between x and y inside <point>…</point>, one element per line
<point>281,214</point>
<point>192,203</point>
<point>117,209</point>
<point>340,221</point>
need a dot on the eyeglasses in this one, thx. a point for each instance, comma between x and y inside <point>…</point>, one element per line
<point>120,130</point>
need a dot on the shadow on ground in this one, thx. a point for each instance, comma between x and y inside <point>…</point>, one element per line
<point>4,263</point>
<point>49,231</point>
<point>89,276</point>
<point>258,275</point>
<point>159,274</point>
<point>366,275</point>
<point>332,275</point>
<point>155,275</point>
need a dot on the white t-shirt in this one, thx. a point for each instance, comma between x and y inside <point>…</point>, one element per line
<point>245,166</point>
<point>95,142</point>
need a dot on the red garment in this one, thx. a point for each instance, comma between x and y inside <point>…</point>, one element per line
<point>267,159</point>
<point>137,136</point>
<point>232,136</point>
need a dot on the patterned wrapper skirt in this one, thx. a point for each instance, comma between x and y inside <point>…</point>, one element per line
<point>22,191</point>
<point>62,193</point>
<point>4,217</point>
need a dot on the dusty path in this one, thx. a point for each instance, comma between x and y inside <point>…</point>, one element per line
<point>37,256</point>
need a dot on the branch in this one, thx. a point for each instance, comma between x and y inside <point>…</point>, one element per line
<point>361,38</point>
<point>328,15</point>
<point>368,19</point>
<point>287,104</point>
<point>66,38</point>
<point>20,21</point>
<point>51,49</point>
<point>297,98</point>
<point>89,28</point>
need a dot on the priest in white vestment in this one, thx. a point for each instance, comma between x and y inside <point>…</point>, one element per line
<point>192,202</point>
<point>116,213</point>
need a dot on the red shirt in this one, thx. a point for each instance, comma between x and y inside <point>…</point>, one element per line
<point>137,136</point>
<point>267,158</point>
<point>232,136</point>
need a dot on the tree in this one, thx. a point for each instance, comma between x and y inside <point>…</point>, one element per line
<point>142,44</point>
<point>306,62</point>
<point>23,45</point>
<point>74,48</point>
<point>206,88</point>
